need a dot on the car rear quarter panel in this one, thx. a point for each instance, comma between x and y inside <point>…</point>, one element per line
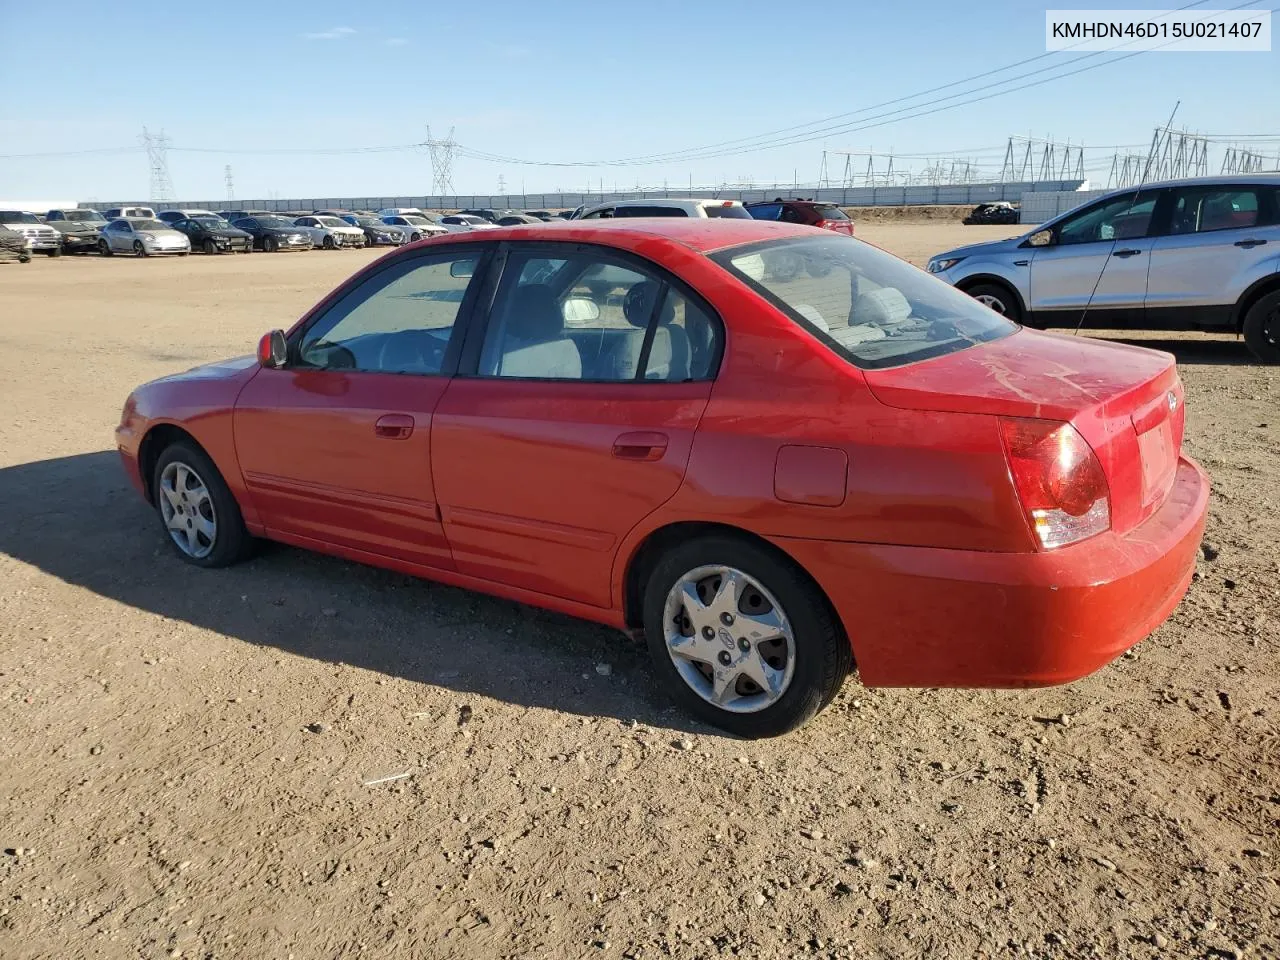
<point>913,478</point>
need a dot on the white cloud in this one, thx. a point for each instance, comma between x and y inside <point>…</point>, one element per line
<point>336,33</point>
<point>397,42</point>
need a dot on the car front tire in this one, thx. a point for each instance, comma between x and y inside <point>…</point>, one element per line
<point>997,298</point>
<point>741,637</point>
<point>1262,328</point>
<point>104,248</point>
<point>197,510</point>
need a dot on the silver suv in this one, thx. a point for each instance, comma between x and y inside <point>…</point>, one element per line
<point>1185,254</point>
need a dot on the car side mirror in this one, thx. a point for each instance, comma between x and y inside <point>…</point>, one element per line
<point>1041,238</point>
<point>273,350</point>
<point>580,310</point>
<point>462,269</point>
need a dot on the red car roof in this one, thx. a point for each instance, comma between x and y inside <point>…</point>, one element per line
<point>698,233</point>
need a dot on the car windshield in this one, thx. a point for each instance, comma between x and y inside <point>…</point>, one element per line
<point>145,224</point>
<point>369,221</point>
<point>733,212</point>
<point>210,222</point>
<point>13,216</point>
<point>418,221</point>
<point>274,222</point>
<point>332,222</point>
<point>866,305</point>
<point>829,211</point>
<point>84,216</point>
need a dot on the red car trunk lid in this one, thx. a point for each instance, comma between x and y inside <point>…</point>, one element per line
<point>1127,402</point>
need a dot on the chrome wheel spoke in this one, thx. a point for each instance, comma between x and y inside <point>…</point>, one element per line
<point>767,678</point>
<point>757,627</point>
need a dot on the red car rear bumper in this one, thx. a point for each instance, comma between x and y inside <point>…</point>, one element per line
<point>923,617</point>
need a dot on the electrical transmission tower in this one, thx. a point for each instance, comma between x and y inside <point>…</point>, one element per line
<point>1126,170</point>
<point>1240,160</point>
<point>502,185</point>
<point>441,163</point>
<point>231,184</point>
<point>1175,155</point>
<point>157,147</point>
<point>1027,159</point>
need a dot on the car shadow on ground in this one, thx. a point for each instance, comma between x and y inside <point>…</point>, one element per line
<point>1192,350</point>
<point>77,519</point>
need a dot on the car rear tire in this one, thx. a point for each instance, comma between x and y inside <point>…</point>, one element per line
<point>210,247</point>
<point>997,298</point>
<point>722,614</point>
<point>197,510</point>
<point>1262,328</point>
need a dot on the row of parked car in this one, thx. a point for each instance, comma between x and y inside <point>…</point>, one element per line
<point>143,232</point>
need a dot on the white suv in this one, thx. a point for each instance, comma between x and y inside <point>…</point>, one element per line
<point>663,207</point>
<point>1200,254</point>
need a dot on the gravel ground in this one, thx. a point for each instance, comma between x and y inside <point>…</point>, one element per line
<point>301,757</point>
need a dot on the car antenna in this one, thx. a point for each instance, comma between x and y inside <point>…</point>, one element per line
<point>1146,170</point>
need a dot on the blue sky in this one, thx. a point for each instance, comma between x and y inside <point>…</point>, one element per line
<point>564,81</point>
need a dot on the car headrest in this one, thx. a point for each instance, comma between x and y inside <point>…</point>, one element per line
<point>638,305</point>
<point>886,305</point>
<point>534,314</point>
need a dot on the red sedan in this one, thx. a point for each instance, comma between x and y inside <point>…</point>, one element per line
<point>664,426</point>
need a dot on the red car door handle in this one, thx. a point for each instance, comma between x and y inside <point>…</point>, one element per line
<point>640,446</point>
<point>393,426</point>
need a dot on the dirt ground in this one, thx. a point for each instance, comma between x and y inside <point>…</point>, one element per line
<point>188,758</point>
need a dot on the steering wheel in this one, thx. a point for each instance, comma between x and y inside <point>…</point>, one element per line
<point>411,351</point>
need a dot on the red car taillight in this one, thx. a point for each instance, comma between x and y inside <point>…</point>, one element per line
<point>839,226</point>
<point>1058,479</point>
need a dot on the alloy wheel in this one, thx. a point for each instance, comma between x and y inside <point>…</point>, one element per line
<point>729,639</point>
<point>187,508</point>
<point>994,303</point>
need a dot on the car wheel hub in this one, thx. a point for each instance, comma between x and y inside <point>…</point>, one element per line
<point>995,303</point>
<point>729,639</point>
<point>187,508</point>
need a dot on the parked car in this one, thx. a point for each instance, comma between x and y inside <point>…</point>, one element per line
<point>932,491</point>
<point>827,216</point>
<point>272,233</point>
<point>138,213</point>
<point>40,237</point>
<point>1001,211</point>
<point>378,232</point>
<point>400,212</point>
<point>417,227</point>
<point>516,219</point>
<point>330,233</point>
<point>143,237</point>
<point>13,246</point>
<point>543,215</point>
<point>80,228</point>
<point>661,207</point>
<point>212,234</point>
<point>465,223</point>
<point>173,216</point>
<point>231,216</point>
<point>1184,254</point>
<point>493,216</point>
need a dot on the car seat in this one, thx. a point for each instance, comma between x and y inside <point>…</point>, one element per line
<point>534,343</point>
